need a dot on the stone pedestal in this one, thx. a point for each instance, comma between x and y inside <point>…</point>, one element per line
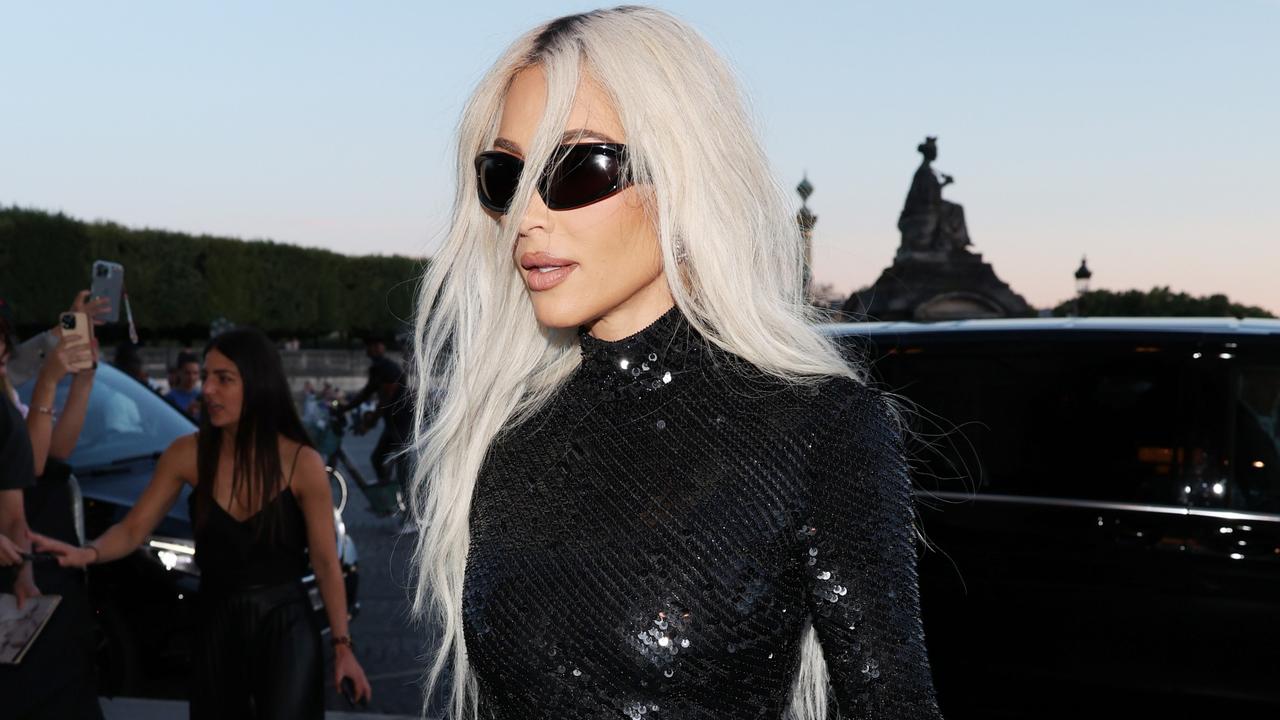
<point>935,285</point>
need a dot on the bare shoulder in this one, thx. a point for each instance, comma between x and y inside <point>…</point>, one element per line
<point>180,458</point>
<point>184,445</point>
<point>309,470</point>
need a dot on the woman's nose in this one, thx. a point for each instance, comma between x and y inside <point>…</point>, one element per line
<point>537,216</point>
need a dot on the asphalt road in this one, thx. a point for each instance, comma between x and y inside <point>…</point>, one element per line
<point>390,647</point>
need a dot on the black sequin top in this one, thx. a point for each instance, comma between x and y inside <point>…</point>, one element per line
<point>652,542</point>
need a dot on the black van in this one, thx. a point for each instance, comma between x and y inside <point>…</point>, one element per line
<point>1102,498</point>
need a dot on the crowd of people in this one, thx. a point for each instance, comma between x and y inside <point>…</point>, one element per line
<point>261,509</point>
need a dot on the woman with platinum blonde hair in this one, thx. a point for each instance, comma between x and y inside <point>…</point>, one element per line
<point>646,485</point>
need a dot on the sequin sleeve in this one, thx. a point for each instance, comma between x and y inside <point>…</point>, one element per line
<point>859,551</point>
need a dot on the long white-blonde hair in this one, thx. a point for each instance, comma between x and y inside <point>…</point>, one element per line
<point>482,362</point>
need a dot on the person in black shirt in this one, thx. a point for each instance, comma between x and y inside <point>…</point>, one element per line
<point>386,383</point>
<point>262,513</point>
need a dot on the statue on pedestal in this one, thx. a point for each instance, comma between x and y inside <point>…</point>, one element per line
<point>934,275</point>
<point>931,226</point>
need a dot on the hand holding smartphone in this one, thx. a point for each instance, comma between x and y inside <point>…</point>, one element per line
<point>349,692</point>
<point>76,325</point>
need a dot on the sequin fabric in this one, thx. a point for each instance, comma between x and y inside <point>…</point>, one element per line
<point>651,544</point>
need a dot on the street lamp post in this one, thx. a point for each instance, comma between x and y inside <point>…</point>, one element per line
<point>1083,276</point>
<point>806,220</point>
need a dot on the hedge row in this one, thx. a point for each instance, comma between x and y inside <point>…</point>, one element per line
<point>1157,302</point>
<point>178,284</point>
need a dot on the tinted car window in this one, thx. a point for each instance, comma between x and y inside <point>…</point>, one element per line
<point>125,419</point>
<point>1256,454</point>
<point>1091,421</point>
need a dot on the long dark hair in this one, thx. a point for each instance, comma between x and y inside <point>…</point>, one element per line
<point>266,412</point>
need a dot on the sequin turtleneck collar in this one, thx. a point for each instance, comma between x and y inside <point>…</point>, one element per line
<point>650,359</point>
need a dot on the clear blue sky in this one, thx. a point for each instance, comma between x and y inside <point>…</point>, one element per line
<point>1143,133</point>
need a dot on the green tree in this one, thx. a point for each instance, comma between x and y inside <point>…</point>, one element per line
<point>1157,302</point>
<point>178,283</point>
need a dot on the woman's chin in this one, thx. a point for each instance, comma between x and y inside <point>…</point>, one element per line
<point>564,312</point>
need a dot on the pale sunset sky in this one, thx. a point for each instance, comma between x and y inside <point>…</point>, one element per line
<point>1141,133</point>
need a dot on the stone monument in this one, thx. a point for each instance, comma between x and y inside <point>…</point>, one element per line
<point>934,275</point>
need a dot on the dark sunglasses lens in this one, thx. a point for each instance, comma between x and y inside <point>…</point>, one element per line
<point>496,177</point>
<point>586,174</point>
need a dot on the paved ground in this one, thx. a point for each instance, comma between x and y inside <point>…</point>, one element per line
<point>391,649</point>
<point>146,709</point>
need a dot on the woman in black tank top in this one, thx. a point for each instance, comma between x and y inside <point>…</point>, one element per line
<point>258,523</point>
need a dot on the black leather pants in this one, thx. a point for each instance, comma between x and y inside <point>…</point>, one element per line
<point>257,655</point>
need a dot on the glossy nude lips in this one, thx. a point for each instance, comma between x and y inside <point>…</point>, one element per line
<point>544,271</point>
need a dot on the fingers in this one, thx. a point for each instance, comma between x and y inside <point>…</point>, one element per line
<point>98,309</point>
<point>40,543</point>
<point>73,352</point>
<point>24,591</point>
<point>363,690</point>
<point>67,556</point>
<point>79,351</point>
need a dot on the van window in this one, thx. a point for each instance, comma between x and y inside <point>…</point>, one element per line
<point>1091,421</point>
<point>1256,455</point>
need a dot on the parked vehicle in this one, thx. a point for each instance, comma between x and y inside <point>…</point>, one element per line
<point>1104,499</point>
<point>144,602</point>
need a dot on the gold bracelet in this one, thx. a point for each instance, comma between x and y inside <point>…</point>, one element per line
<point>96,554</point>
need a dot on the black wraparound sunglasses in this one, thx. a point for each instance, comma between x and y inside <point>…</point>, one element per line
<point>576,175</point>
